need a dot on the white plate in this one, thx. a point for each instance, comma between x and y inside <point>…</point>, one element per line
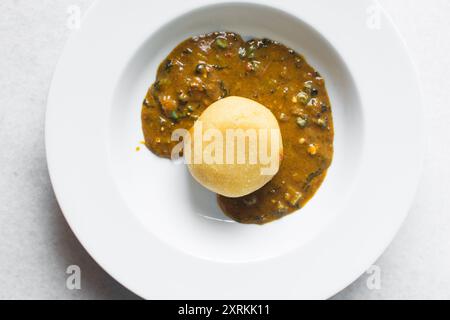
<point>168,239</point>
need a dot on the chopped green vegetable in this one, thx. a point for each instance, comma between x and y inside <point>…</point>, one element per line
<point>281,208</point>
<point>222,43</point>
<point>313,102</point>
<point>255,64</point>
<point>161,83</point>
<point>302,122</point>
<point>308,84</point>
<point>218,67</point>
<point>295,199</point>
<point>311,177</point>
<point>146,103</point>
<point>242,52</point>
<point>168,65</point>
<point>303,97</point>
<point>322,123</point>
<point>283,117</point>
<point>251,52</point>
<point>224,89</point>
<point>174,115</point>
<point>250,200</point>
<point>183,97</point>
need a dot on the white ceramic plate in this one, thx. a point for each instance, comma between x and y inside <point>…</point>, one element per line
<point>168,239</point>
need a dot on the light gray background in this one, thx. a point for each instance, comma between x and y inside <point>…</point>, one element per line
<point>36,245</point>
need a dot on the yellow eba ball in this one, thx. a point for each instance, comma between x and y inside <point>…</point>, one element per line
<point>235,147</point>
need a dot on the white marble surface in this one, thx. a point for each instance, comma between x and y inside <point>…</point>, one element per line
<point>36,245</point>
